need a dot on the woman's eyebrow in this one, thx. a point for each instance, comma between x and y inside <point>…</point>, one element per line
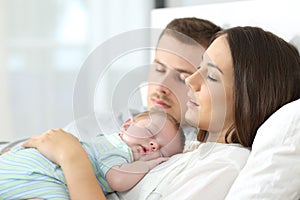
<point>215,66</point>
<point>210,64</point>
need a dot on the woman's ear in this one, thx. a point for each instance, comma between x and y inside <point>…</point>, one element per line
<point>126,124</point>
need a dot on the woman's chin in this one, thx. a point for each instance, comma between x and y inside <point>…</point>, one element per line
<point>191,118</point>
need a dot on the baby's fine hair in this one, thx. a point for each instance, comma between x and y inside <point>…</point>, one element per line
<point>155,111</point>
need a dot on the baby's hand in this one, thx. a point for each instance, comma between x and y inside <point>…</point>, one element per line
<point>153,163</point>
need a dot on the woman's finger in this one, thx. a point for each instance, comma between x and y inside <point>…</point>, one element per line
<point>38,139</point>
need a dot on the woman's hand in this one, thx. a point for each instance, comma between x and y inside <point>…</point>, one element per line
<point>65,150</point>
<point>57,145</point>
<point>5,150</point>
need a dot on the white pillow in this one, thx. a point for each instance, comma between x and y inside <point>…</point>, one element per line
<point>273,167</point>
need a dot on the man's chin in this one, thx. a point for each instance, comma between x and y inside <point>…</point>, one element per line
<point>169,111</point>
<point>154,106</point>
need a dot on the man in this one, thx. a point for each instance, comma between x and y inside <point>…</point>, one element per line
<point>178,54</point>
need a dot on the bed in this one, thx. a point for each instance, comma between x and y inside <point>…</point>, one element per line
<point>272,170</point>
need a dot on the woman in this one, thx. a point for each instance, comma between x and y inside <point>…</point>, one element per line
<point>245,76</point>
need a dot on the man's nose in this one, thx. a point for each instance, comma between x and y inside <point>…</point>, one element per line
<point>163,89</point>
<point>164,84</point>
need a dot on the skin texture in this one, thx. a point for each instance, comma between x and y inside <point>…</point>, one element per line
<point>210,95</point>
<point>217,101</point>
<point>171,66</point>
<point>174,61</point>
<point>91,192</point>
<point>67,150</point>
<point>151,138</point>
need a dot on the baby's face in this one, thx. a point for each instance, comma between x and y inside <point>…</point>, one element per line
<point>152,138</point>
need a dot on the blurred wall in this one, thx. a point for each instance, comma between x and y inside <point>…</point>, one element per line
<point>43,46</point>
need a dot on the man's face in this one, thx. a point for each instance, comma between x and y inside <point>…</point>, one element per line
<point>174,61</point>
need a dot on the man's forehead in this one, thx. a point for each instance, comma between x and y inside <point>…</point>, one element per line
<point>190,53</point>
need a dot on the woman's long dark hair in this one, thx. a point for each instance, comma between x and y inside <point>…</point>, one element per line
<point>266,72</point>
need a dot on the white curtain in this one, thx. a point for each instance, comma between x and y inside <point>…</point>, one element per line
<point>5,106</point>
<point>46,42</point>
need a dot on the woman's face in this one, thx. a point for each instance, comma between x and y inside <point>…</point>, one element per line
<point>210,101</point>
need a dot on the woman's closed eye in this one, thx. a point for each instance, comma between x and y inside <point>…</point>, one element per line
<point>212,77</point>
<point>208,73</point>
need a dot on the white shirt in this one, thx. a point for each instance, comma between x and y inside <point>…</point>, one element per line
<point>205,173</point>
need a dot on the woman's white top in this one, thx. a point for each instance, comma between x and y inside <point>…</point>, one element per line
<point>205,173</point>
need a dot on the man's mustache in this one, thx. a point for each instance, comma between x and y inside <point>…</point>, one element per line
<point>161,97</point>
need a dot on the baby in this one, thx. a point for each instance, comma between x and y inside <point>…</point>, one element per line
<point>119,160</point>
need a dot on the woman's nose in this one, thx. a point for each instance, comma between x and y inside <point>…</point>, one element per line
<point>154,146</point>
<point>194,81</point>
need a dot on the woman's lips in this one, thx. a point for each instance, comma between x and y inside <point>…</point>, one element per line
<point>191,103</point>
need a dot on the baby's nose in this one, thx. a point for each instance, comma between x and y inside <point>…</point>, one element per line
<point>154,146</point>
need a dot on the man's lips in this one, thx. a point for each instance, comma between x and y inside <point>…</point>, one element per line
<point>160,103</point>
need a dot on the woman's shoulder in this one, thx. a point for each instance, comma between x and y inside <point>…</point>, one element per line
<point>234,154</point>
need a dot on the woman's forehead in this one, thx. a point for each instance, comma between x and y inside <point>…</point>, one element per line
<point>219,53</point>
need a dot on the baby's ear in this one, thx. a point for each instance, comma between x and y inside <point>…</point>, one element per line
<point>126,124</point>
